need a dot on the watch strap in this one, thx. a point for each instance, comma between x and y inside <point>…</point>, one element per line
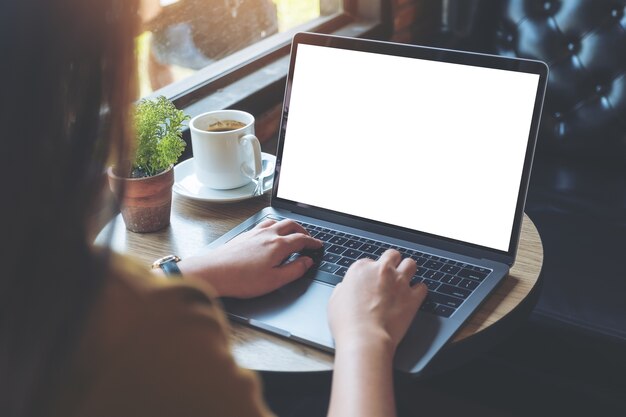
<point>169,265</point>
<point>170,268</point>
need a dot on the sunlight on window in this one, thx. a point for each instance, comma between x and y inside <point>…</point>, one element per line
<point>295,12</point>
<point>183,36</point>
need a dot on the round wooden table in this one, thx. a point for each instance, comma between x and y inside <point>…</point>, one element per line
<point>196,224</point>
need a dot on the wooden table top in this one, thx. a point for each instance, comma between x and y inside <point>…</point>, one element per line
<point>196,224</point>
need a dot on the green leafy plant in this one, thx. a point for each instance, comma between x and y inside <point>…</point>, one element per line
<point>158,126</point>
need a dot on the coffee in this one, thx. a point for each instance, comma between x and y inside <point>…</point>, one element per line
<point>225,126</point>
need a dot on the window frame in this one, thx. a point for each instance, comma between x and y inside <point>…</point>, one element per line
<point>253,78</point>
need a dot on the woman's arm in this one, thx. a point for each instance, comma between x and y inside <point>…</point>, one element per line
<point>369,313</point>
<point>362,381</point>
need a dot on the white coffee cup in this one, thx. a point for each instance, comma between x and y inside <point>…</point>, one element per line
<point>227,159</point>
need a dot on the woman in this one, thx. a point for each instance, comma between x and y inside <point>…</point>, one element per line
<point>87,332</point>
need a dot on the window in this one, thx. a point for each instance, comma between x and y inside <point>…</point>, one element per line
<point>190,49</point>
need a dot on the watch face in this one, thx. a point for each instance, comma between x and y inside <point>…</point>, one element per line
<point>169,258</point>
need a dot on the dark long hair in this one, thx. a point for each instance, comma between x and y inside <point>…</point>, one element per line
<point>66,81</point>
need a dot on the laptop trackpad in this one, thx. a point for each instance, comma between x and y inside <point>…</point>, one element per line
<point>297,310</point>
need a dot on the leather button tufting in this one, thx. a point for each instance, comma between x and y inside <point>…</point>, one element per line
<point>544,8</point>
<point>617,13</point>
<point>505,34</point>
<point>583,41</point>
<point>550,6</point>
<point>571,46</point>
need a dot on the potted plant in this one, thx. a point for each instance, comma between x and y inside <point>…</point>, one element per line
<point>145,183</point>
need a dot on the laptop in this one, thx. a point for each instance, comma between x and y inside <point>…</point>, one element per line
<point>384,145</point>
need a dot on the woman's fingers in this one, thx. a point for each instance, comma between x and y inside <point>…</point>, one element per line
<point>296,242</point>
<point>391,256</point>
<point>265,224</point>
<point>407,268</point>
<point>292,270</point>
<point>419,292</point>
<point>286,227</point>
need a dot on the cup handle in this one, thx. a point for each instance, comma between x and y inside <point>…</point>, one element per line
<point>256,148</point>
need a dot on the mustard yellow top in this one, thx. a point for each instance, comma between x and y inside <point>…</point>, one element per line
<point>156,347</point>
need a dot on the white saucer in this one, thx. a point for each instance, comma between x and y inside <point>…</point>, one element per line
<point>187,185</point>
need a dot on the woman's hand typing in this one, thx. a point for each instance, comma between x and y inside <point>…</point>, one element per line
<point>252,264</point>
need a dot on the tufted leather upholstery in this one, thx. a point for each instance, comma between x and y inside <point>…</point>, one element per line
<point>569,355</point>
<point>577,195</point>
<point>584,43</point>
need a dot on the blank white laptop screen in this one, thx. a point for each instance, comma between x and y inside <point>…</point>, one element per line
<point>431,146</point>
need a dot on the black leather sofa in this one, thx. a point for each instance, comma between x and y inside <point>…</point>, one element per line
<point>569,356</point>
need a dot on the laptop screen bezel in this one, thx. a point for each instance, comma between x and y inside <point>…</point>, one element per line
<point>427,53</point>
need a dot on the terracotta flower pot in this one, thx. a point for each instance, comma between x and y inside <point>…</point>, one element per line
<point>146,202</point>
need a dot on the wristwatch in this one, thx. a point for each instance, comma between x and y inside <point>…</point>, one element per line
<point>168,265</point>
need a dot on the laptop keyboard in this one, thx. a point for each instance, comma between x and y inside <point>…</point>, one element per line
<point>449,282</point>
